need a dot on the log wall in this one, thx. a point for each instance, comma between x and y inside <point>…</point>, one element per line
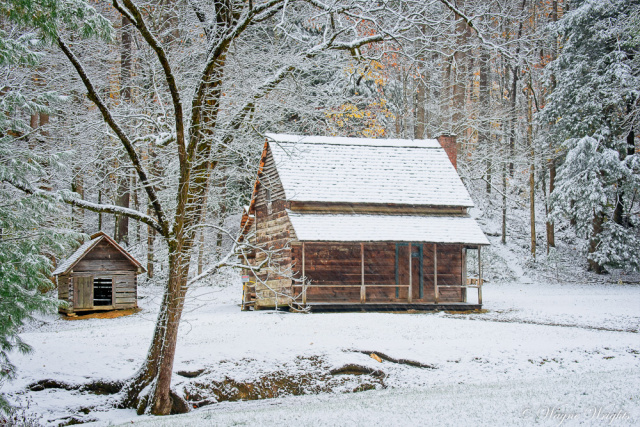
<point>273,233</point>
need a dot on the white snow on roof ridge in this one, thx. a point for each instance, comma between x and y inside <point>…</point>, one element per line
<point>386,228</point>
<point>343,140</point>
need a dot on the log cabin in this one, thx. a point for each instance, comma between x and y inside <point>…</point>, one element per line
<point>355,223</point>
<point>99,276</point>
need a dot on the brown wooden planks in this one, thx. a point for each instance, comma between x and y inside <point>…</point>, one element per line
<point>83,292</point>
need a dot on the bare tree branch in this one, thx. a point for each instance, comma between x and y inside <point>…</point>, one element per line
<point>126,142</point>
<point>471,23</point>
<point>138,22</point>
<point>72,199</point>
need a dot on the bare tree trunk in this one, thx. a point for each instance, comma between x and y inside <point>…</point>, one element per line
<point>158,366</point>
<point>459,125</point>
<point>513,97</point>
<point>512,119</point>
<point>100,213</point>
<point>594,242</point>
<point>77,186</point>
<point>420,109</point>
<point>201,252</point>
<point>222,212</point>
<point>484,101</point>
<point>125,59</point>
<point>532,181</point>
<point>551,230</point>
<point>151,234</point>
<point>503,240</point>
<point>193,183</point>
<point>136,206</point>
<point>202,230</point>
<point>124,198</point>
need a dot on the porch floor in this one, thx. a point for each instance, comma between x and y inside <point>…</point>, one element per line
<point>449,306</point>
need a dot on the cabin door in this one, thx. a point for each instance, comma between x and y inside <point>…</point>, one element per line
<point>83,292</point>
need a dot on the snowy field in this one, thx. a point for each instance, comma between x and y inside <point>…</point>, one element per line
<point>555,354</point>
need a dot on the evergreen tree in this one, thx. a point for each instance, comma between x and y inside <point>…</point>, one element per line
<point>591,111</point>
<point>30,233</point>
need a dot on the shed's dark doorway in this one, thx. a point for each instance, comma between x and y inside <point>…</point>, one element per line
<point>102,291</point>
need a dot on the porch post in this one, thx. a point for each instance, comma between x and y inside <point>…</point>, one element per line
<point>363,292</point>
<point>304,280</point>
<point>463,256</point>
<point>410,289</point>
<point>435,272</point>
<point>479,276</point>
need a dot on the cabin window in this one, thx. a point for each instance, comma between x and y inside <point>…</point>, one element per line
<point>102,291</point>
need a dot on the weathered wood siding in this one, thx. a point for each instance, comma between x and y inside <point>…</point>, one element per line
<point>273,232</point>
<point>334,271</point>
<point>449,272</point>
<point>63,287</point>
<point>82,292</point>
<point>340,264</point>
<point>269,179</point>
<point>104,257</point>
<point>126,289</point>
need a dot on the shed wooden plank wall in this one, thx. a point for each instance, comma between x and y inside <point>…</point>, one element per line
<point>126,290</point>
<point>63,287</point>
<point>125,287</point>
<point>104,257</point>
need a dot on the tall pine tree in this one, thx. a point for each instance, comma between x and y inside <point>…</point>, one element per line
<point>597,84</point>
<point>30,238</point>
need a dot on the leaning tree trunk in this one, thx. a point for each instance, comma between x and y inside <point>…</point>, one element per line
<point>193,183</point>
<point>158,367</point>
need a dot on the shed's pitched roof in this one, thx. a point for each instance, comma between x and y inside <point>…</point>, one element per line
<point>386,228</point>
<point>86,247</point>
<point>365,170</point>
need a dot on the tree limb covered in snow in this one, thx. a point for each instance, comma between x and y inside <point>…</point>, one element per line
<point>471,23</point>
<point>126,142</point>
<point>73,200</point>
<point>135,16</point>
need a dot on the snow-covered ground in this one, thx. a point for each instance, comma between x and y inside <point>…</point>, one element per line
<point>551,353</point>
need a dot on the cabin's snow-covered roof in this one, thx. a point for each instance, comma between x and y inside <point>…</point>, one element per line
<point>65,266</point>
<point>343,140</point>
<point>386,228</point>
<point>364,170</point>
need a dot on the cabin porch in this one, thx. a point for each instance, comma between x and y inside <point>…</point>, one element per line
<point>384,276</point>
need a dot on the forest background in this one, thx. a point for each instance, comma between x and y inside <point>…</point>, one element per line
<point>147,120</point>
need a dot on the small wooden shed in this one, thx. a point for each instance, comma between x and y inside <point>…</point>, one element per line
<point>358,223</point>
<point>100,275</point>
